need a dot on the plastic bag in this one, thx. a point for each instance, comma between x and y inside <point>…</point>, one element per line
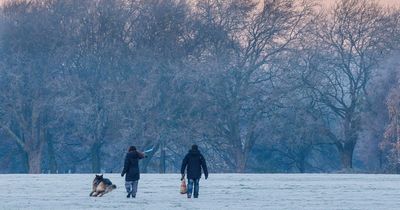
<point>183,187</point>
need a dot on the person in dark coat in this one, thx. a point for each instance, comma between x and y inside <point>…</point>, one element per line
<point>193,162</point>
<point>131,171</point>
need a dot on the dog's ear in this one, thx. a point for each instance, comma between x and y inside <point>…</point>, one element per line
<point>101,175</point>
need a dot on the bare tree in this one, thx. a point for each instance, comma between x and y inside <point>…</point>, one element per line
<point>28,94</point>
<point>245,45</point>
<point>350,42</point>
<point>259,85</point>
<point>391,142</point>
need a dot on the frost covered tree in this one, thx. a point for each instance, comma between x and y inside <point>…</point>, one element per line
<point>259,85</point>
<point>28,48</point>
<point>158,40</point>
<point>239,60</point>
<point>350,40</point>
<point>391,142</point>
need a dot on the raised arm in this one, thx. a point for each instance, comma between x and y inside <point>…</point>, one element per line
<point>140,155</point>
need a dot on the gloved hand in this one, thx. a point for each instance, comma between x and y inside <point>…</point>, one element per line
<point>183,177</point>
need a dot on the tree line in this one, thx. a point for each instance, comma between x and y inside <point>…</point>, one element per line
<point>260,86</point>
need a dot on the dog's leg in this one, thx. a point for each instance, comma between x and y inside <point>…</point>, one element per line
<point>101,193</point>
<point>91,194</point>
<point>93,190</point>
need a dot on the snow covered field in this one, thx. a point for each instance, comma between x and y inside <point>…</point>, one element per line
<point>220,191</point>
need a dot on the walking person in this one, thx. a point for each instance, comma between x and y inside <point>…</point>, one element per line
<point>193,162</point>
<point>131,170</point>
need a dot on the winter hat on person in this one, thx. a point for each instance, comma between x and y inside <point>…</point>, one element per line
<point>195,147</point>
<point>132,148</point>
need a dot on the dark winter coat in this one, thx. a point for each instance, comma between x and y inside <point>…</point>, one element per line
<point>194,161</point>
<point>131,166</point>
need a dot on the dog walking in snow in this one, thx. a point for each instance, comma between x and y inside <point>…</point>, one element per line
<point>101,186</point>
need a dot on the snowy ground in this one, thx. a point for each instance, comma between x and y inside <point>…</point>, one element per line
<point>220,191</point>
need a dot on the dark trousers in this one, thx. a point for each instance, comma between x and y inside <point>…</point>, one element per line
<point>131,187</point>
<point>193,183</point>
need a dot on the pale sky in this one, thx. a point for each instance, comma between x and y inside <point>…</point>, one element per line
<point>384,2</point>
<point>327,2</point>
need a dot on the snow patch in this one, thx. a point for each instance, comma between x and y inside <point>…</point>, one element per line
<point>220,191</point>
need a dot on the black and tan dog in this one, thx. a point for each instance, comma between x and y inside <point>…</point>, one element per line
<point>101,186</point>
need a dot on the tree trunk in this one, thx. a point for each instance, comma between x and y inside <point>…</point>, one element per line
<point>50,151</point>
<point>95,153</point>
<point>238,152</point>
<point>34,161</point>
<point>240,161</point>
<point>25,160</point>
<point>162,158</point>
<point>346,155</point>
<point>351,128</point>
<point>34,149</point>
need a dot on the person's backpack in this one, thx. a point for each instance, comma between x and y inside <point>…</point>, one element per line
<point>183,187</point>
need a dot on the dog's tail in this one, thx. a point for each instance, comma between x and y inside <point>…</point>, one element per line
<point>114,186</point>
